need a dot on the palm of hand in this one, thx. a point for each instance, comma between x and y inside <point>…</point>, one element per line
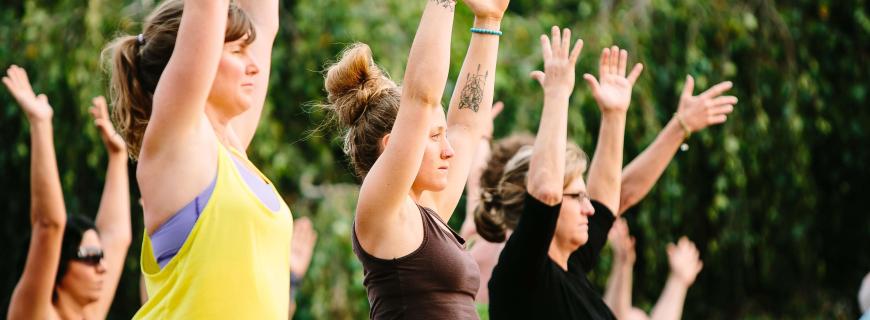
<point>684,261</point>
<point>614,93</point>
<point>113,142</point>
<point>487,8</point>
<point>36,107</point>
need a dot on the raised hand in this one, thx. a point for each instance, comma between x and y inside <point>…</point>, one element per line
<point>486,9</point>
<point>304,239</point>
<point>706,109</point>
<point>684,261</point>
<point>622,242</point>
<point>112,140</point>
<point>36,107</point>
<point>612,90</point>
<point>558,75</point>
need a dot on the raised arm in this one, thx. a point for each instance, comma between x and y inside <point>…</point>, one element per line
<point>184,85</point>
<point>264,14</point>
<point>32,296</point>
<point>389,181</point>
<point>618,293</point>
<point>547,165</point>
<point>612,91</point>
<point>696,113</point>
<point>478,166</point>
<point>113,216</point>
<point>469,110</point>
<point>685,266</point>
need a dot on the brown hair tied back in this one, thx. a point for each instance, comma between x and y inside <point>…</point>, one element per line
<point>364,101</point>
<point>137,62</point>
<point>502,209</point>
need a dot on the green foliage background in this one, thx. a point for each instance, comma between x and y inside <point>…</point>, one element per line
<point>774,198</point>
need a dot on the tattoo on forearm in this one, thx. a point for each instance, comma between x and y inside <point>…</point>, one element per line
<point>472,94</point>
<point>448,4</point>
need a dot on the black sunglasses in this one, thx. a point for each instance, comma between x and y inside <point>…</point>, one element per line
<point>89,256</point>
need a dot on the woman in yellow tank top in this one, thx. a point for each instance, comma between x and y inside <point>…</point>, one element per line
<point>187,94</point>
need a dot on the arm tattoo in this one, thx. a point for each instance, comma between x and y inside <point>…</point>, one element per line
<point>472,94</point>
<point>448,4</point>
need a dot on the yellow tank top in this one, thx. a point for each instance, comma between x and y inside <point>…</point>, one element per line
<point>235,264</point>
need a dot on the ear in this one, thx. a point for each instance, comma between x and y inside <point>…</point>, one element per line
<point>384,141</point>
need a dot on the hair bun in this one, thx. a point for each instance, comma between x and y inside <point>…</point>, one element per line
<point>354,81</point>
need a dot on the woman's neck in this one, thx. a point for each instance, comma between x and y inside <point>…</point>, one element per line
<point>560,254</point>
<point>221,126</point>
<point>67,307</point>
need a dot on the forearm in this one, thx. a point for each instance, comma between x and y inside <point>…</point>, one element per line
<point>614,284</point>
<point>264,14</point>
<point>47,207</point>
<point>471,102</point>
<point>670,303</point>
<point>429,59</point>
<point>547,165</point>
<point>623,302</point>
<point>113,216</point>
<point>641,174</point>
<point>606,167</point>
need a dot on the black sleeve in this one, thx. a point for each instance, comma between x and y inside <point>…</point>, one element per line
<point>525,254</point>
<point>586,257</point>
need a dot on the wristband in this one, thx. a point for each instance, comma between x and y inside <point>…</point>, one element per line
<point>686,130</point>
<point>486,31</point>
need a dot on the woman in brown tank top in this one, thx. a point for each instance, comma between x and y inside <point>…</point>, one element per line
<point>414,161</point>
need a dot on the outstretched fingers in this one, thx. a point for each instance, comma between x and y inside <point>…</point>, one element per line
<point>717,90</point>
<point>689,87</point>
<point>566,42</point>
<point>575,53</point>
<point>635,73</point>
<point>623,61</point>
<point>546,48</point>
<point>557,40</point>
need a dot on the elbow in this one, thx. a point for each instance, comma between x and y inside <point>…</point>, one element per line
<point>548,195</point>
<point>424,96</point>
<point>627,199</point>
<point>55,222</point>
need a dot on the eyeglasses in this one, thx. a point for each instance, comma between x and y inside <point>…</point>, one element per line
<point>89,256</point>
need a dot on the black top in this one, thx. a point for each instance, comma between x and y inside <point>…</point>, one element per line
<point>437,281</point>
<point>526,284</point>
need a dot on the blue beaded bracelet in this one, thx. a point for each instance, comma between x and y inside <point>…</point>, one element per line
<point>486,31</point>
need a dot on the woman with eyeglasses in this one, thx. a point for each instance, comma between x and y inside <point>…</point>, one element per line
<point>73,265</point>
<point>563,225</point>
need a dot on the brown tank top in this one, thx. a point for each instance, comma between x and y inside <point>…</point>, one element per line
<point>438,280</point>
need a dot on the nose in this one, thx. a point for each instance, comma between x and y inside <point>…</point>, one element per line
<point>101,267</point>
<point>446,149</point>
<point>251,68</point>
<point>587,209</point>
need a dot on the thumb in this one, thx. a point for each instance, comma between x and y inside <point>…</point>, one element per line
<point>42,98</point>
<point>593,83</point>
<point>689,87</point>
<point>538,75</point>
<point>497,108</point>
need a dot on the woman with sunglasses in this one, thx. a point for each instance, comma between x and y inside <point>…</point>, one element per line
<point>73,265</point>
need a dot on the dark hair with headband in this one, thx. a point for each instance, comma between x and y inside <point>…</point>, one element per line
<point>137,62</point>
